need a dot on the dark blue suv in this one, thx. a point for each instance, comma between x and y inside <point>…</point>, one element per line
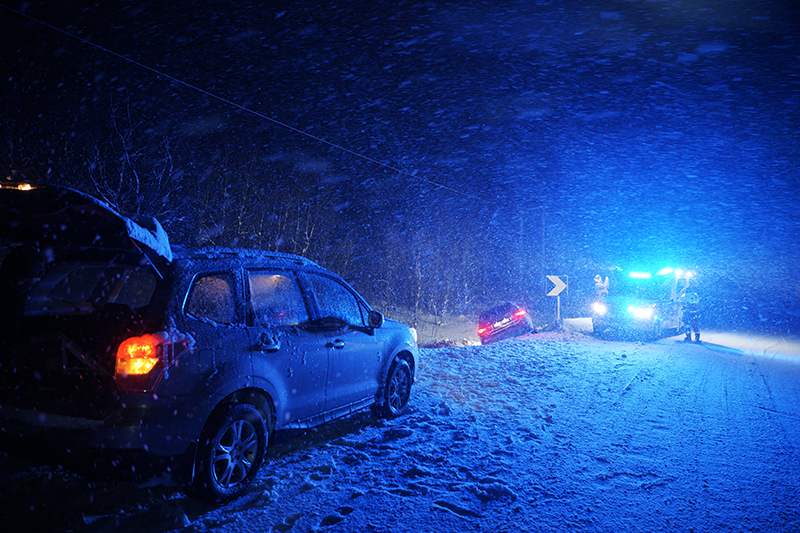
<point>113,339</point>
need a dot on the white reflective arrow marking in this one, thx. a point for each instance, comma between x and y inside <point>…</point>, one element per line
<point>559,286</point>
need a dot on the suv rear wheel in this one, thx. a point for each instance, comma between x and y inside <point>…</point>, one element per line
<point>230,453</point>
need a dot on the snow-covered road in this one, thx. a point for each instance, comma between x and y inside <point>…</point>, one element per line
<point>606,436</point>
<point>551,432</point>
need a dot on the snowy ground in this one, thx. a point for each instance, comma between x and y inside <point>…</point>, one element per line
<point>551,432</point>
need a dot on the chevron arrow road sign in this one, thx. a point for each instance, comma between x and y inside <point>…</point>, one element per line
<point>558,285</point>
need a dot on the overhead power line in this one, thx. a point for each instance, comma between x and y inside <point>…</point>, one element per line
<point>238,106</point>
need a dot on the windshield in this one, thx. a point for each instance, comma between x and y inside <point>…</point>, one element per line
<point>650,288</point>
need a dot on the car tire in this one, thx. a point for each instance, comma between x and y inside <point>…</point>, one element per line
<point>230,453</point>
<point>396,390</point>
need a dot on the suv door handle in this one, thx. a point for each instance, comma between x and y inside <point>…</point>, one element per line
<point>337,344</point>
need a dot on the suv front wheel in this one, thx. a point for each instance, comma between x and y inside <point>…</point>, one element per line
<point>396,391</point>
<point>230,453</point>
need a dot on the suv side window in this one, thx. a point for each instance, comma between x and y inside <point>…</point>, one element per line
<point>275,299</point>
<point>335,300</point>
<point>211,298</point>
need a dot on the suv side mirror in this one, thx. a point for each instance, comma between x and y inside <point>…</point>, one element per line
<point>375,319</point>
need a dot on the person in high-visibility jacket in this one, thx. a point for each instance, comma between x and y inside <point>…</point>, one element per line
<point>691,316</point>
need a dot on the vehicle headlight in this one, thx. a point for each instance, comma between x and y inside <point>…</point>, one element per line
<point>599,308</point>
<point>642,313</point>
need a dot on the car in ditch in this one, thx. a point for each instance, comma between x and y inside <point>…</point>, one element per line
<point>503,321</point>
<point>642,303</point>
<point>112,339</point>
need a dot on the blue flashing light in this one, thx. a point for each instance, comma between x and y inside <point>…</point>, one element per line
<point>640,275</point>
<point>665,271</point>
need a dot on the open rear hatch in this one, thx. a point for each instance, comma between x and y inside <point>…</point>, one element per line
<point>76,278</point>
<point>58,219</point>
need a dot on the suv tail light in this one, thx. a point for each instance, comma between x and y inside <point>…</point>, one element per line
<point>141,361</point>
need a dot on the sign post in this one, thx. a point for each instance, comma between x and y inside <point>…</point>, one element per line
<point>558,286</point>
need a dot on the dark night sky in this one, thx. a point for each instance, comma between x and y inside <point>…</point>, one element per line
<point>636,129</point>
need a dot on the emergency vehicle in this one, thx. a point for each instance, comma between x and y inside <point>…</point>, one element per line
<point>645,303</point>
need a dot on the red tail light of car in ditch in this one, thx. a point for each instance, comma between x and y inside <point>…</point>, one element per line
<point>516,317</point>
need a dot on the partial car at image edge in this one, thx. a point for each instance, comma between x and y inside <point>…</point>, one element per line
<point>112,339</point>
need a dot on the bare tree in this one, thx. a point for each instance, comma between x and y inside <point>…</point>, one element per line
<point>134,170</point>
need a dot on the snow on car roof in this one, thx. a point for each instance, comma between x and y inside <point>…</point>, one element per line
<point>217,252</point>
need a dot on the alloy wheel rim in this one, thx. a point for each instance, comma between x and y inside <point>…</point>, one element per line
<point>398,390</point>
<point>234,453</point>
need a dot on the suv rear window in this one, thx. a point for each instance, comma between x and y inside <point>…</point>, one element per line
<point>497,313</point>
<point>211,298</point>
<point>81,288</point>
